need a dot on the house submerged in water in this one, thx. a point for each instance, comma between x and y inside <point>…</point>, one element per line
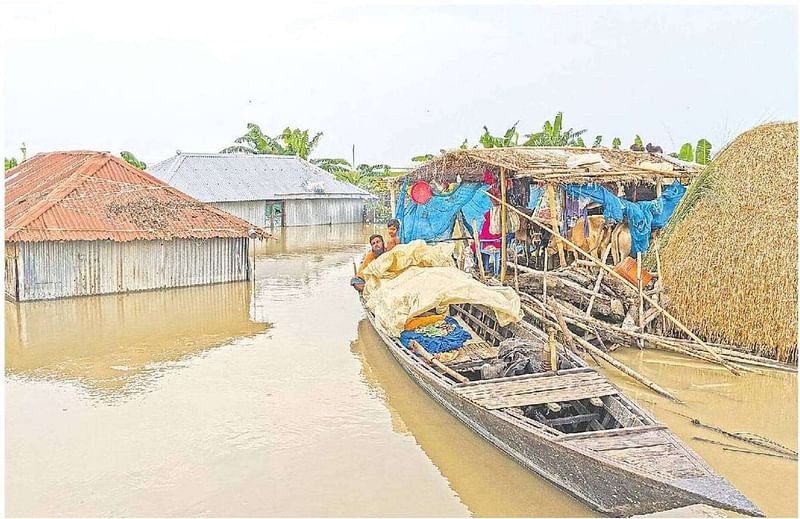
<point>268,191</point>
<point>86,223</point>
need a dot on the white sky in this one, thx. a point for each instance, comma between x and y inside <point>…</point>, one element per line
<point>396,81</point>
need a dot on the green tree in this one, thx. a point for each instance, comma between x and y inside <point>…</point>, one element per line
<point>638,141</point>
<point>256,142</point>
<point>297,142</point>
<point>510,138</point>
<point>553,135</point>
<point>10,163</point>
<point>598,141</point>
<point>366,176</point>
<point>702,152</point>
<point>131,159</point>
<point>686,153</point>
<point>616,143</point>
<point>579,142</point>
<point>333,165</point>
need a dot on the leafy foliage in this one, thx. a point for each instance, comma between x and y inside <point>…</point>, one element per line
<point>256,142</point>
<point>552,134</point>
<point>579,142</point>
<point>686,153</point>
<point>638,142</point>
<point>366,176</point>
<point>333,166</point>
<point>10,163</point>
<point>598,141</point>
<point>297,142</point>
<point>509,139</point>
<point>422,158</point>
<point>703,152</point>
<point>616,143</point>
<point>131,159</point>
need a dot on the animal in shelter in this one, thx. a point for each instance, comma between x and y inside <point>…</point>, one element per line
<point>594,241</point>
<point>653,149</point>
<point>620,242</point>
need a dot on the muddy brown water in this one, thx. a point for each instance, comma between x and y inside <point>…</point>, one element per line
<point>280,400</point>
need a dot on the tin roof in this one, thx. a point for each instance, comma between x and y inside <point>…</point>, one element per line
<point>88,195</point>
<point>226,177</point>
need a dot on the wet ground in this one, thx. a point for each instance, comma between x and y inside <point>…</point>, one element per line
<point>279,399</point>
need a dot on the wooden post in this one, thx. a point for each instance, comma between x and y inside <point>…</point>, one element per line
<point>551,347</point>
<point>658,187</point>
<point>627,283</point>
<point>503,225</point>
<point>478,254</point>
<point>544,279</point>
<point>641,299</point>
<point>554,220</point>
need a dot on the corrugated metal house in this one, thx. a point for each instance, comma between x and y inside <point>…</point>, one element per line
<point>83,223</point>
<point>266,190</point>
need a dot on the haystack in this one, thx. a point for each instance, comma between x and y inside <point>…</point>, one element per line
<point>729,254</point>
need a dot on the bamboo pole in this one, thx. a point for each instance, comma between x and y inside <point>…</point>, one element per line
<point>554,220</point>
<point>641,294</point>
<point>544,279</point>
<point>551,347</point>
<point>422,352</point>
<point>478,254</point>
<point>598,282</point>
<point>503,225</point>
<point>668,315</point>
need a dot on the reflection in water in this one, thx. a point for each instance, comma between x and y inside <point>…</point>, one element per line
<point>489,482</point>
<point>765,404</point>
<point>114,345</point>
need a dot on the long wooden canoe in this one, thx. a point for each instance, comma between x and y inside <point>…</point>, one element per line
<point>595,443</point>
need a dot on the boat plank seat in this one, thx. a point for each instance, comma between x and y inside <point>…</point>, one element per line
<point>517,392</point>
<point>655,451</point>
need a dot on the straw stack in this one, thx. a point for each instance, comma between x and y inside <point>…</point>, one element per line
<point>729,254</point>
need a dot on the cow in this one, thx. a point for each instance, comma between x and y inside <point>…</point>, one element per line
<point>620,242</point>
<point>594,243</point>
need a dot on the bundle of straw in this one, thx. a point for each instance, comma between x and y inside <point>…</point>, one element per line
<point>729,254</point>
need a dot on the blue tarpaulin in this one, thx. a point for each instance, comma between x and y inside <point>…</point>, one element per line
<point>642,217</point>
<point>435,219</point>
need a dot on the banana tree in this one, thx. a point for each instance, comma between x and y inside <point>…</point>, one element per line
<point>552,134</point>
<point>129,157</point>
<point>509,139</point>
<point>256,142</point>
<point>703,152</point>
<point>297,142</point>
<point>333,165</point>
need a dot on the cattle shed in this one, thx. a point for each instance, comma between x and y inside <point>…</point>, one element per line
<point>268,191</point>
<point>85,223</point>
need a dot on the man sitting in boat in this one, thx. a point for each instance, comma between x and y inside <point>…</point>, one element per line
<point>393,226</point>
<point>377,248</point>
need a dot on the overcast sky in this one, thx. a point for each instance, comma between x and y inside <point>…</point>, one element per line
<point>396,81</point>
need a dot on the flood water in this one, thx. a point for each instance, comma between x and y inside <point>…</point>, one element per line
<point>278,399</point>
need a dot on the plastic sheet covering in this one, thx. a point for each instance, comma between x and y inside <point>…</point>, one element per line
<point>642,217</point>
<point>420,289</point>
<point>433,220</point>
<point>417,253</point>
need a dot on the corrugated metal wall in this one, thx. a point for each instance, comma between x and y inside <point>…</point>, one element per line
<point>322,211</point>
<point>11,270</point>
<point>252,211</point>
<point>49,270</point>
<point>317,211</point>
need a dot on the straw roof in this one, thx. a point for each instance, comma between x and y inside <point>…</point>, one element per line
<point>551,164</point>
<point>729,255</point>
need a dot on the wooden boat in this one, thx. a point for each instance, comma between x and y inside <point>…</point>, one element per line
<point>569,425</point>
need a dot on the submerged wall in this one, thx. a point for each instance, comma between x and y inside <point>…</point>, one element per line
<point>51,270</point>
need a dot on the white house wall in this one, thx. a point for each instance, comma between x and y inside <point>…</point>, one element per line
<point>50,270</point>
<point>322,211</point>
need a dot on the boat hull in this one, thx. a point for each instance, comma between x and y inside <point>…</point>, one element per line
<point>606,487</point>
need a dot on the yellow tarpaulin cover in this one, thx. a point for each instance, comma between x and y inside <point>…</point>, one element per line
<point>414,278</point>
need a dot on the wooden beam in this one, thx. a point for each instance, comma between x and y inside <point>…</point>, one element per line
<point>503,225</point>
<point>647,298</point>
<point>479,256</point>
<point>554,220</point>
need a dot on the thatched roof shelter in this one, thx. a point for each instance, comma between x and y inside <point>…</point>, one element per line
<point>729,254</point>
<point>558,165</point>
